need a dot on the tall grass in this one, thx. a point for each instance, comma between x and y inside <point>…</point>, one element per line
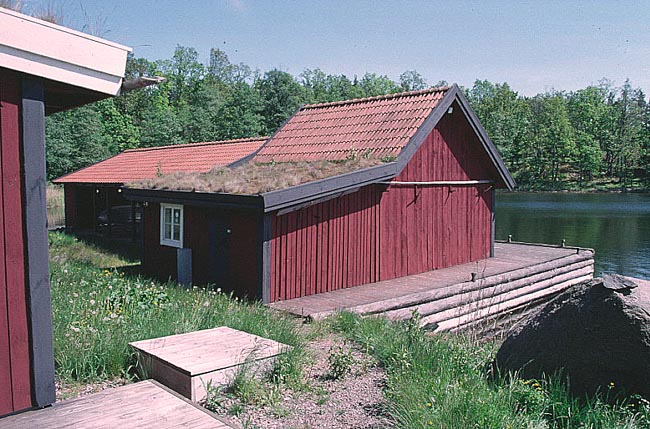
<point>55,205</point>
<point>98,310</point>
<point>441,382</point>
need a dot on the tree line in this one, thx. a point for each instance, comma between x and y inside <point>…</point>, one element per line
<point>556,140</point>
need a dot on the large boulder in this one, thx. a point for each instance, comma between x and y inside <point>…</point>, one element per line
<point>596,333</point>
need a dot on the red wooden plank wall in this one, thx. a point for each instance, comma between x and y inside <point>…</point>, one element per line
<point>431,227</point>
<point>368,236</point>
<point>157,260</point>
<point>15,384</point>
<point>240,253</point>
<point>328,246</point>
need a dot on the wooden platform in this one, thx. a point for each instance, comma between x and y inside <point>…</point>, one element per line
<point>518,275</point>
<point>186,363</point>
<point>135,406</point>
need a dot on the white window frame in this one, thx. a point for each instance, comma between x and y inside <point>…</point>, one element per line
<point>169,241</point>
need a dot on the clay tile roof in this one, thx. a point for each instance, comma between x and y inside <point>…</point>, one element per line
<point>376,127</point>
<point>146,163</point>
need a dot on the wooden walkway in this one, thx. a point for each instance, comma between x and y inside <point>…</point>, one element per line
<point>511,264</point>
<point>142,405</point>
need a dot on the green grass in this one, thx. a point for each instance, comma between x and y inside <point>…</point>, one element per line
<point>98,310</point>
<point>432,381</point>
<point>442,382</point>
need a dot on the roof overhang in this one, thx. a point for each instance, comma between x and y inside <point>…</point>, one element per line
<point>200,199</point>
<point>72,62</point>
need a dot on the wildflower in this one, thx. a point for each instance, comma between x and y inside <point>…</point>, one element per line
<point>218,290</point>
<point>105,319</point>
<point>74,328</point>
<point>92,302</point>
<point>206,304</point>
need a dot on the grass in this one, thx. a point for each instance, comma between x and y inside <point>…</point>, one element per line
<point>251,179</point>
<point>55,205</point>
<point>432,381</point>
<point>442,382</point>
<point>98,309</point>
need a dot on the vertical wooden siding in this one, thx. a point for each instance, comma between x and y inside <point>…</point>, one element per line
<point>431,227</point>
<point>381,233</point>
<point>15,384</point>
<point>234,252</point>
<point>328,246</point>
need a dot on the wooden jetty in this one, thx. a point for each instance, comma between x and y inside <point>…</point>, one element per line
<point>143,405</point>
<point>519,276</point>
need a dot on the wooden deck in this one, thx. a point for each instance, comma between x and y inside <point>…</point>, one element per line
<point>187,362</point>
<point>135,406</point>
<point>517,274</point>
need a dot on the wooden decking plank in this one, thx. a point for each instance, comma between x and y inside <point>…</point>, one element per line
<point>144,405</point>
<point>206,350</point>
<point>508,257</point>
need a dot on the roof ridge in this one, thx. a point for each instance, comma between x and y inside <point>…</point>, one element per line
<point>216,142</point>
<point>378,97</point>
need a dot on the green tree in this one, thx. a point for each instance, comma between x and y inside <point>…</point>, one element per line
<point>411,80</point>
<point>507,120</point>
<point>553,139</point>
<point>589,114</point>
<point>74,139</point>
<point>281,95</point>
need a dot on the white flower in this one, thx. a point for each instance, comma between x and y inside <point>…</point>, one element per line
<point>74,328</point>
<point>92,302</point>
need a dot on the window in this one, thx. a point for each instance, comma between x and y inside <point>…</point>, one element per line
<point>171,225</point>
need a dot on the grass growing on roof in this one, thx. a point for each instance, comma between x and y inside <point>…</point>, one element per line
<point>252,179</point>
<point>98,310</point>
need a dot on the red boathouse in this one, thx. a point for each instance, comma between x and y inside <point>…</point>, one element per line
<point>428,204</point>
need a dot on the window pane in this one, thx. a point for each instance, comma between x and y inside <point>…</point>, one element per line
<point>177,232</point>
<point>167,234</point>
<point>177,216</point>
<point>167,217</point>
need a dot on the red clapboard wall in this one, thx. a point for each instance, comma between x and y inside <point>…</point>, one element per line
<point>223,243</point>
<point>380,233</point>
<point>15,384</point>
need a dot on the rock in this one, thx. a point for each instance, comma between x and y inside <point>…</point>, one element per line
<point>596,333</point>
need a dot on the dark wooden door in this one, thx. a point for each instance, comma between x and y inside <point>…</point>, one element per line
<point>219,233</point>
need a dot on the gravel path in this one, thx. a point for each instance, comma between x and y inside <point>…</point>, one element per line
<point>354,401</point>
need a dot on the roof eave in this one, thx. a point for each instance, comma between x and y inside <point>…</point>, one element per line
<point>59,54</point>
<point>455,94</point>
<point>201,199</point>
<point>487,143</point>
<point>276,200</point>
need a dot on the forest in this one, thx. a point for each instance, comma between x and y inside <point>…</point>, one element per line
<point>596,138</point>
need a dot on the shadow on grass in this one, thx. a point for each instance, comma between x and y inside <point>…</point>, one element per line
<point>125,248</point>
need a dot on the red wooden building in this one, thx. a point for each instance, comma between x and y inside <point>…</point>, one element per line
<point>96,190</point>
<point>429,205</point>
<point>44,68</point>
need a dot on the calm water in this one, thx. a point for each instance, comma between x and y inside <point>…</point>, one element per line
<point>617,226</point>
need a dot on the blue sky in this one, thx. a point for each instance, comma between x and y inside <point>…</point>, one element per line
<point>535,46</point>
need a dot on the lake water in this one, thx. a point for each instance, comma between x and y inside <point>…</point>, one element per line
<point>617,226</point>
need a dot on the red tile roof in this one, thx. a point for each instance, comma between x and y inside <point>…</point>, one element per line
<point>377,126</point>
<point>146,163</point>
